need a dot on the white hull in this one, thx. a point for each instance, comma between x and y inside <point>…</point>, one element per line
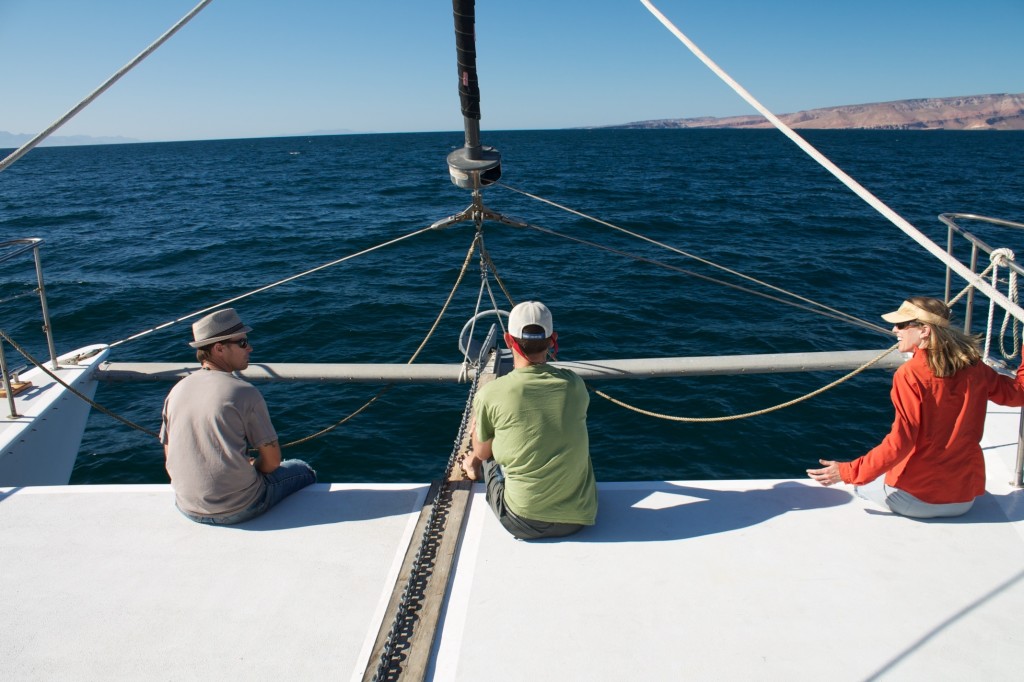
<point>39,446</point>
<point>724,580</point>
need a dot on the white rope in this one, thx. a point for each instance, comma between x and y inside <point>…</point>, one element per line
<point>1002,257</point>
<point>1008,319</point>
<point>873,201</point>
<point>25,148</point>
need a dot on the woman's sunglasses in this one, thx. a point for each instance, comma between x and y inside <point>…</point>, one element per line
<point>898,325</point>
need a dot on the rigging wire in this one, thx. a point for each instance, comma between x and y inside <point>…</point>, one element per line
<point>430,333</point>
<point>269,286</point>
<point>815,306</point>
<point>28,146</point>
<point>476,240</point>
<point>836,315</point>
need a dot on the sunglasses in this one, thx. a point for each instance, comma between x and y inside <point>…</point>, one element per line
<point>908,323</point>
<point>241,343</point>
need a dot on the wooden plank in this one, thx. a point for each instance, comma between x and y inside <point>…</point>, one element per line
<point>417,654</point>
<point>400,582</point>
<point>421,643</point>
<point>16,388</point>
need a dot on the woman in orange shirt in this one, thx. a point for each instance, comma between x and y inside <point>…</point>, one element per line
<point>931,459</point>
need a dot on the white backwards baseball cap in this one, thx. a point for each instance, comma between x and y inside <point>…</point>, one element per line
<point>530,313</point>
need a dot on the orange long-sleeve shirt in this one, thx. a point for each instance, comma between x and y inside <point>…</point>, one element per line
<point>933,451</point>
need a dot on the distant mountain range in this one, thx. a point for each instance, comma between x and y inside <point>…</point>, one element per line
<point>976,112</point>
<point>15,140</point>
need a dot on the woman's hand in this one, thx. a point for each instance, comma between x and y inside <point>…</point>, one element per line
<point>828,474</point>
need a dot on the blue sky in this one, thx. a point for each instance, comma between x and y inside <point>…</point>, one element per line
<point>252,68</point>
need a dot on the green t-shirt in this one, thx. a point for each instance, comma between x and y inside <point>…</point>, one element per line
<point>537,417</point>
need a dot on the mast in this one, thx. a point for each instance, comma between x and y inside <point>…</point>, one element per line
<point>473,166</point>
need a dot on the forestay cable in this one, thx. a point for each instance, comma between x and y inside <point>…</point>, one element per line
<point>269,286</point>
<point>25,148</point>
<point>852,184</point>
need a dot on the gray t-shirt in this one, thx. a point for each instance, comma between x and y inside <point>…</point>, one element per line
<point>210,419</point>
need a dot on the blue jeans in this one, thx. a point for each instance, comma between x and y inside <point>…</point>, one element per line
<point>903,503</point>
<point>293,475</point>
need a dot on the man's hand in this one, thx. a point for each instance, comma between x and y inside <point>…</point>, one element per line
<point>471,467</point>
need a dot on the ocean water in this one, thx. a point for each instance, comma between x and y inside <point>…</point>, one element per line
<point>137,235</point>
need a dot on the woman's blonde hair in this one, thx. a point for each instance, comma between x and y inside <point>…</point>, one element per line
<point>949,349</point>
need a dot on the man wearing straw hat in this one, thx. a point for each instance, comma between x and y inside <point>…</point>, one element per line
<point>211,419</point>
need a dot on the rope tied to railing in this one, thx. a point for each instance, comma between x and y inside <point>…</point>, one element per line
<point>39,365</point>
<point>430,333</point>
<point>788,403</point>
<point>755,413</point>
<point>477,241</point>
<point>1002,258</point>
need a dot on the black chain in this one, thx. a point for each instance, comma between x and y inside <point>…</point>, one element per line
<point>393,652</point>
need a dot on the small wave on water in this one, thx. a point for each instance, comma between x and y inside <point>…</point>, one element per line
<point>137,235</point>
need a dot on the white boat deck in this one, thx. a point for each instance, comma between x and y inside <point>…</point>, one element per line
<point>722,580</point>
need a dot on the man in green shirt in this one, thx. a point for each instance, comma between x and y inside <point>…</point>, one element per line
<point>529,433</point>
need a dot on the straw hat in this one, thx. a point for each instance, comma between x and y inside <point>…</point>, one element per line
<point>217,326</point>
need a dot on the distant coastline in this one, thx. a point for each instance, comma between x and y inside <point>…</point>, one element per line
<point>15,140</point>
<point>975,112</point>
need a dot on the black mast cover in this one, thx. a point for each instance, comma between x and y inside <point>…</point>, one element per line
<point>465,45</point>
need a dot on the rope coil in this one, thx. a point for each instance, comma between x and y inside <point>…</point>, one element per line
<point>1002,258</point>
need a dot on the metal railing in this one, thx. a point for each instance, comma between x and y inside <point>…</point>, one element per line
<point>18,247</point>
<point>977,246</point>
<point>980,246</point>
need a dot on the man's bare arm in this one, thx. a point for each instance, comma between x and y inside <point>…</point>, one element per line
<point>269,457</point>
